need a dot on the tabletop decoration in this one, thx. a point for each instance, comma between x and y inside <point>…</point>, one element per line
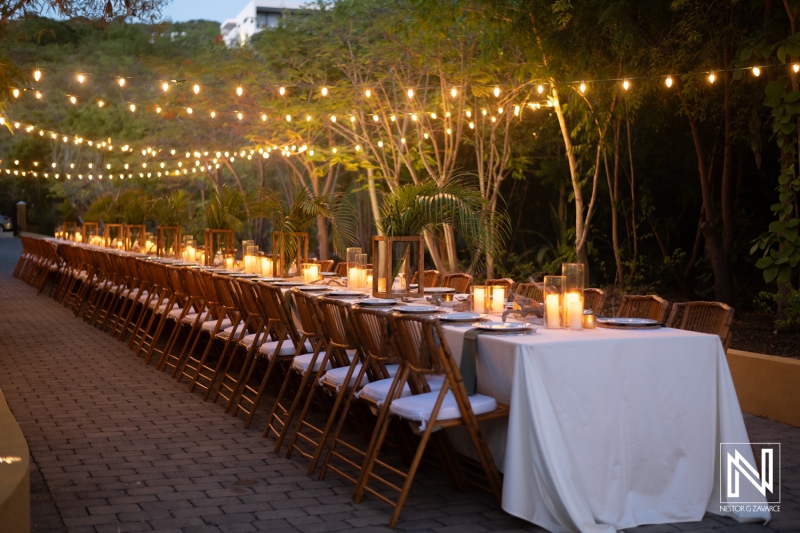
<point>171,212</point>
<point>480,299</point>
<point>554,301</point>
<point>589,319</point>
<point>573,288</point>
<point>310,272</point>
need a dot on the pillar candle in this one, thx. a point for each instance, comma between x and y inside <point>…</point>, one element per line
<point>552,311</point>
<point>479,299</point>
<point>191,254</point>
<point>575,310</point>
<point>498,299</point>
<point>229,263</point>
<point>381,284</point>
<point>313,272</point>
<point>353,277</point>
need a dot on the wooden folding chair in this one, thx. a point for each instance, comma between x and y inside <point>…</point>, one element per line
<point>341,269</point>
<point>304,369</point>
<point>278,352</point>
<point>714,318</point>
<point>509,284</point>
<point>459,282</point>
<point>326,265</point>
<point>431,278</point>
<point>198,315</point>
<point>594,299</point>
<point>649,306</point>
<point>336,382</point>
<point>421,343</point>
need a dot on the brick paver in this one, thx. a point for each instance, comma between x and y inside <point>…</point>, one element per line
<point>119,447</point>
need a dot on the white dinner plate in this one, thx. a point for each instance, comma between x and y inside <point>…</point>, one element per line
<point>346,294</point>
<point>328,274</point>
<point>289,283</point>
<point>378,301</point>
<point>459,317</point>
<point>312,288</point>
<point>243,275</point>
<point>632,322</point>
<point>268,280</point>
<point>437,290</point>
<point>502,326</point>
<point>417,309</point>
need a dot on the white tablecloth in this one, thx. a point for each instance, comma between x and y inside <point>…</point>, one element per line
<point>609,429</point>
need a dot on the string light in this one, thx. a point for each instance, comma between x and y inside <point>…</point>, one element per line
<point>410,94</point>
<point>540,88</point>
<point>796,67</point>
<point>712,77</point>
<point>189,110</point>
<point>15,92</point>
<point>668,81</point>
<point>133,108</point>
<point>282,91</point>
<point>367,93</point>
<point>158,109</point>
<point>196,89</point>
<point>626,84</point>
<point>121,82</point>
<point>165,86</point>
<point>81,78</point>
<point>37,74</point>
<point>324,91</point>
<point>263,117</point>
<point>73,100</point>
<point>453,92</point>
<point>582,87</point>
<point>239,115</point>
<point>333,118</point>
<point>496,92</point>
<point>213,114</point>
<point>38,95</point>
<point>756,72</point>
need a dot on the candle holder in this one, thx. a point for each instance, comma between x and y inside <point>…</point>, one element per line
<point>481,299</point>
<point>114,233</point>
<point>395,260</point>
<point>134,237</point>
<point>90,230</point>
<point>498,298</point>
<point>218,245</point>
<point>69,228</point>
<point>573,288</point>
<point>554,301</point>
<point>589,319</point>
<point>352,264</point>
<point>266,265</point>
<point>310,272</point>
<point>250,258</point>
<point>295,243</point>
<point>168,241</point>
<point>189,252</point>
<point>355,270</point>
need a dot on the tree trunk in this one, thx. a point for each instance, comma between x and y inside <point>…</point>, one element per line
<point>322,238</point>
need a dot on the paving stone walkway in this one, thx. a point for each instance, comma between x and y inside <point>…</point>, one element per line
<point>118,447</point>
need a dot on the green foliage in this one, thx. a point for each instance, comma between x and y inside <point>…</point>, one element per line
<point>173,209</point>
<point>227,209</point>
<point>788,303</point>
<point>68,211</point>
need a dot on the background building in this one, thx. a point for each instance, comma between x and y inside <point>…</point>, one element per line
<point>256,15</point>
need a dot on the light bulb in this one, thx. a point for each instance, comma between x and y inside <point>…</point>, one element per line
<point>414,117</point>
<point>626,85</point>
<point>380,144</point>
<point>158,109</point>
<point>668,81</point>
<point>367,93</point>
<point>392,118</point>
<point>73,99</point>
<point>540,88</point>
<point>308,118</point>
<point>189,110</point>
<point>15,92</point>
<point>796,67</point>
<point>352,119</point>
<point>165,86</point>
<point>496,92</point>
<point>410,93</point>
<point>433,116</point>
<point>213,114</point>
<point>582,87</point>
<point>196,89</point>
<point>516,110</point>
<point>37,74</point>
<point>453,92</point>
<point>38,95</point>
<point>239,90</point>
<point>324,91</point>
<point>499,110</point>
<point>756,72</point>
<point>468,113</point>
<point>133,108</point>
<point>121,82</point>
<point>375,118</point>
<point>239,115</point>
<point>282,91</point>
<point>263,117</point>
<point>81,78</point>
<point>288,118</point>
<point>333,118</point>
<point>711,78</point>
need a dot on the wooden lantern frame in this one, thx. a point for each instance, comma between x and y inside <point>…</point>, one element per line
<point>95,226</point>
<point>107,233</point>
<point>278,258</point>
<point>69,227</point>
<point>128,232</point>
<point>228,246</point>
<point>379,266</point>
<point>161,240</point>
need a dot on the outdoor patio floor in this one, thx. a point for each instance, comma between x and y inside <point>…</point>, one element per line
<point>117,446</point>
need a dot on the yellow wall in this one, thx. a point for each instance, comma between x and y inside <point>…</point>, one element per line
<point>766,385</point>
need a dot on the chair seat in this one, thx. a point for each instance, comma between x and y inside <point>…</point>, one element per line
<point>210,324</point>
<point>175,313</point>
<point>287,348</point>
<point>378,390</point>
<point>302,362</point>
<point>420,406</point>
<point>191,317</point>
<point>335,377</point>
<point>235,330</point>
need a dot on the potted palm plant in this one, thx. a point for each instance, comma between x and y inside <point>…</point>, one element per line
<point>408,211</point>
<point>226,214</point>
<point>136,208</point>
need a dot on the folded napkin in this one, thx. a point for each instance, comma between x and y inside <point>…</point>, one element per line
<point>469,355</point>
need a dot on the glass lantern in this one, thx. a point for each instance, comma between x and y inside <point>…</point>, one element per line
<point>554,301</point>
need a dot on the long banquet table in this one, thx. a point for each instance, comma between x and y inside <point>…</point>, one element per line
<point>609,429</point>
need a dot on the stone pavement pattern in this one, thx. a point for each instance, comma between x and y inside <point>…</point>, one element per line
<point>118,447</point>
